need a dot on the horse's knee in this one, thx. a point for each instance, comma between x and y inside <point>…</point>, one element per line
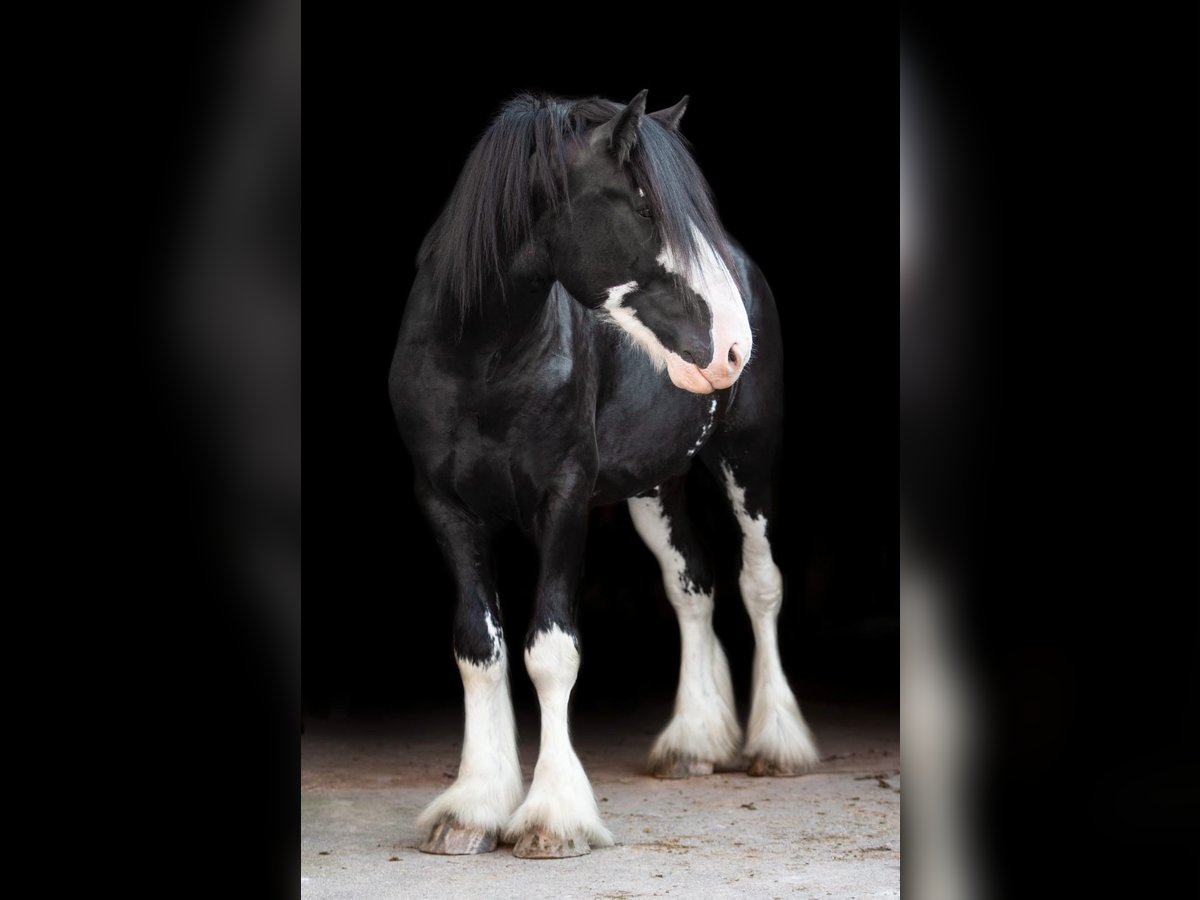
<point>552,659</point>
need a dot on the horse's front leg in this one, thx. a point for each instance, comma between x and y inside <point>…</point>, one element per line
<point>559,817</point>
<point>468,816</point>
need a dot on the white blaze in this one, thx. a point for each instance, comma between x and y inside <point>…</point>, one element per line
<point>709,277</point>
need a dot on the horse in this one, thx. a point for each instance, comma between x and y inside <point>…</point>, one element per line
<point>581,329</point>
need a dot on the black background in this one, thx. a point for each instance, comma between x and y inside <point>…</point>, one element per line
<point>1078,551</point>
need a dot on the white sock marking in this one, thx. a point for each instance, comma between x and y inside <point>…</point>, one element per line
<point>777,730</point>
<point>560,800</point>
<point>488,786</point>
<point>704,726</point>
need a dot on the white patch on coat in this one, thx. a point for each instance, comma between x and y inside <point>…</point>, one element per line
<point>488,787</point>
<point>627,318</point>
<point>560,800</point>
<point>708,426</point>
<point>706,429</point>
<point>704,726</point>
<point>683,374</point>
<point>710,278</point>
<point>777,730</point>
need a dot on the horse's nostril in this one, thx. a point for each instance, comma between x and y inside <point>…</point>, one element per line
<point>735,358</point>
<point>687,357</point>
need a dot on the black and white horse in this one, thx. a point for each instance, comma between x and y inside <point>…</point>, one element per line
<point>581,328</point>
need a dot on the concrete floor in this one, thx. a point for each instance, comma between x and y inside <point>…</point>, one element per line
<point>832,833</point>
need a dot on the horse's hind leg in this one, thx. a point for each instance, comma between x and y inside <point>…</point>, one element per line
<point>703,730</point>
<point>468,816</point>
<point>778,740</point>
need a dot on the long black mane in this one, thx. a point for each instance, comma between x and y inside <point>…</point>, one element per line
<point>521,160</point>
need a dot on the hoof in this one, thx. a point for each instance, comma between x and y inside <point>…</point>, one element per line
<point>449,838</point>
<point>676,767</point>
<point>765,768</point>
<point>543,845</point>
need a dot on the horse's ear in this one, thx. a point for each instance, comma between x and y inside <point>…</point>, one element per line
<point>620,133</point>
<point>672,114</point>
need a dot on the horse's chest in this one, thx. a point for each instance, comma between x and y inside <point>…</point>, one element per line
<point>641,449</point>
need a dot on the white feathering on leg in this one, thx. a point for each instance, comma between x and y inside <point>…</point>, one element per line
<point>704,724</point>
<point>777,731</point>
<point>560,800</point>
<point>488,786</point>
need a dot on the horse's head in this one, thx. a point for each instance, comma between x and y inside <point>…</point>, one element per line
<point>625,242</point>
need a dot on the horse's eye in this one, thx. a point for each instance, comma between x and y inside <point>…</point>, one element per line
<point>645,212</point>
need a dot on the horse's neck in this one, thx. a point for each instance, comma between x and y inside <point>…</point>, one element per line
<point>513,316</point>
<point>525,315</point>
